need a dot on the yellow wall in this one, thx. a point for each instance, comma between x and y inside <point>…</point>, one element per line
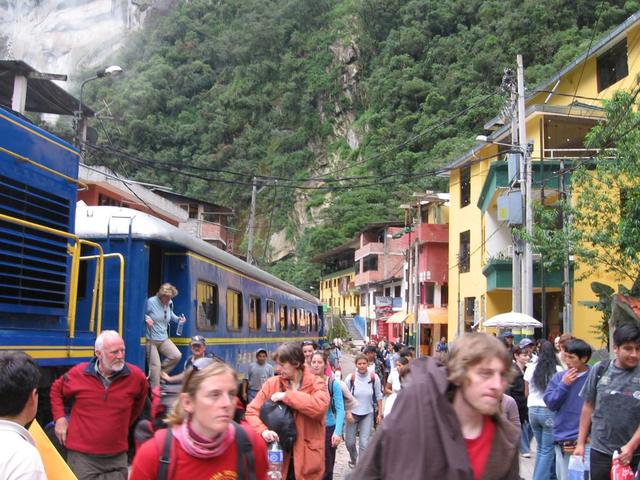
<point>473,283</point>
<point>330,294</point>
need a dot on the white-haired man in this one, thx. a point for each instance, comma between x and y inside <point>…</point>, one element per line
<point>106,396</point>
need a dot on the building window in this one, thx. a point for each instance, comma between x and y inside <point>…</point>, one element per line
<point>234,310</point>
<point>464,253</point>
<point>429,294</point>
<point>469,310</point>
<point>207,300</point>
<point>444,295</point>
<point>363,299</point>
<point>271,316</point>
<point>284,318</point>
<point>370,263</point>
<point>612,66</point>
<point>465,186</point>
<point>255,313</point>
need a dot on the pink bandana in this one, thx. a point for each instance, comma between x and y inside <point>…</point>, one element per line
<point>200,447</point>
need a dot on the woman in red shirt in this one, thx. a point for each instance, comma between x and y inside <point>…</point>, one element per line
<point>205,440</point>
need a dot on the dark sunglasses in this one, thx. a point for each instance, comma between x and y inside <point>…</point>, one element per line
<point>199,364</point>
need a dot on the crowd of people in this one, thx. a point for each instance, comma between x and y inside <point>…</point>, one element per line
<point>468,412</point>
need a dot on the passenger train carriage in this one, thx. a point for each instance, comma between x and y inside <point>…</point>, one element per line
<point>67,275</point>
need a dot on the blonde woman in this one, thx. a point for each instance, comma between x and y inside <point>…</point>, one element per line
<point>203,440</point>
<point>158,314</point>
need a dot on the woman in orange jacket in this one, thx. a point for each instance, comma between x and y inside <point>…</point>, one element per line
<point>306,394</point>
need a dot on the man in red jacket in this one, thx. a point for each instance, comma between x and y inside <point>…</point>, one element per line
<point>107,395</point>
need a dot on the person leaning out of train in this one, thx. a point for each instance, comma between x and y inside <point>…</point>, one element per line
<point>159,312</point>
<point>202,441</point>
<point>106,396</point>
<point>306,394</point>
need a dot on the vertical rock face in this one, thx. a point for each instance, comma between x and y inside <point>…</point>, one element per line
<point>66,36</point>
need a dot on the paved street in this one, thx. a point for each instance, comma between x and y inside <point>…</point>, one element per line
<point>342,457</point>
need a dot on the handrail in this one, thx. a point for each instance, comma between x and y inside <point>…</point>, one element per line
<point>83,186</point>
<point>120,291</point>
<point>74,251</point>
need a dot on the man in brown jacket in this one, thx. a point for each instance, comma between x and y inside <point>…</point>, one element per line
<point>446,423</point>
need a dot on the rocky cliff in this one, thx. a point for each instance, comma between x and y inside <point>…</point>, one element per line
<point>68,36</point>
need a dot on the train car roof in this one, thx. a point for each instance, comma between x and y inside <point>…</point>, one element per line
<point>100,222</point>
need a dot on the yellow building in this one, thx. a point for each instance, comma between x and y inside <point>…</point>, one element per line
<point>559,113</point>
<point>337,291</point>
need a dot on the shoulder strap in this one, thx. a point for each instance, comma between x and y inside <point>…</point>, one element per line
<point>245,451</point>
<point>352,387</point>
<point>602,369</point>
<point>373,389</point>
<point>165,458</point>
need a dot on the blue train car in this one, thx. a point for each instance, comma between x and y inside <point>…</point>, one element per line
<point>235,306</point>
<point>39,252</point>
<point>67,273</point>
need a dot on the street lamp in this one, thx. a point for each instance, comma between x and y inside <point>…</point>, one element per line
<point>110,71</point>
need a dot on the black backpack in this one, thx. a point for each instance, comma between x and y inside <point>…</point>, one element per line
<point>245,466</point>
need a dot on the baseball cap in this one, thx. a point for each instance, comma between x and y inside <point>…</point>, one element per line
<point>525,342</point>
<point>198,340</point>
<point>507,334</point>
<point>261,350</point>
<point>326,346</point>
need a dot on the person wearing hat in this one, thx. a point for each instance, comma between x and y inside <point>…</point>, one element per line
<point>259,372</point>
<point>198,351</point>
<point>507,339</point>
<point>158,314</point>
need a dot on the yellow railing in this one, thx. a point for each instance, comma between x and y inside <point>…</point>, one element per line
<point>74,252</point>
<point>100,291</point>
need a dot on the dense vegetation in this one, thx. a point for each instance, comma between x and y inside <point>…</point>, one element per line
<point>218,92</point>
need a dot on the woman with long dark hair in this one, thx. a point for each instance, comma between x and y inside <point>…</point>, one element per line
<point>335,413</point>
<point>521,357</point>
<point>537,378</point>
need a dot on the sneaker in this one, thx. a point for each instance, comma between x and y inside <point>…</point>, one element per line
<point>525,455</point>
<point>352,464</point>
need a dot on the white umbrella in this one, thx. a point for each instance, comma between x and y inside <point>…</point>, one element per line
<point>514,320</point>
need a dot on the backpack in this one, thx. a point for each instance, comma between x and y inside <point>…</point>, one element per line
<point>602,368</point>
<point>332,403</point>
<point>245,455</point>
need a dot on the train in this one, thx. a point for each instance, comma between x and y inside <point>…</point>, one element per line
<point>69,271</point>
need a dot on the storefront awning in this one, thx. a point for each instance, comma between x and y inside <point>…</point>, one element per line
<point>435,315</point>
<point>400,317</point>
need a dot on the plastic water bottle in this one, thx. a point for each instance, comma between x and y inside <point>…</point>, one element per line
<point>275,456</point>
<point>180,326</point>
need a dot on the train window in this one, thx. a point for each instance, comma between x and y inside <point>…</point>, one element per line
<point>255,313</point>
<point>271,316</point>
<point>207,300</point>
<point>234,310</point>
<point>302,320</point>
<point>294,319</point>
<point>315,322</point>
<point>309,322</point>
<point>284,318</point>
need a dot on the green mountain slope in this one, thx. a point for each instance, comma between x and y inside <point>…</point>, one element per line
<point>342,108</point>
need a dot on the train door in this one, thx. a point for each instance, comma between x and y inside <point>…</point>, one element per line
<point>155,269</point>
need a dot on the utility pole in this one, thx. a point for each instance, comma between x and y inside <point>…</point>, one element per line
<point>416,291</point>
<point>252,217</point>
<point>509,82</point>
<point>567,307</point>
<point>525,165</point>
